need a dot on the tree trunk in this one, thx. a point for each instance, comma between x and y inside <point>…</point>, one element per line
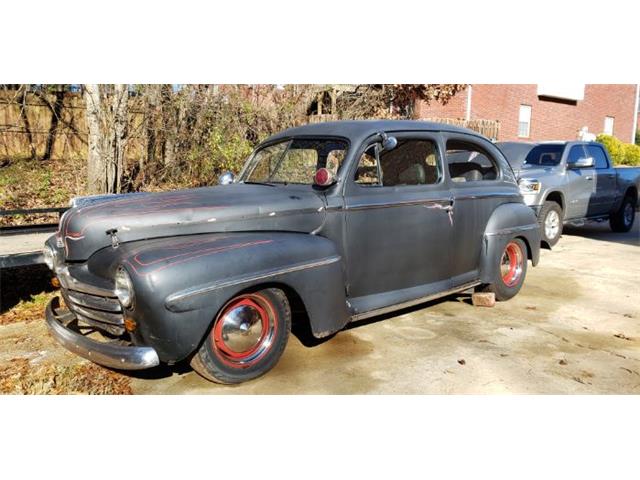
<point>56,114</point>
<point>27,125</point>
<point>120,112</point>
<point>96,181</point>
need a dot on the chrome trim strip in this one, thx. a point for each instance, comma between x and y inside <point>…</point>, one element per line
<point>111,318</point>
<point>486,195</point>
<point>177,297</point>
<point>107,304</point>
<point>509,231</point>
<point>366,206</point>
<point>411,303</point>
<point>71,283</point>
<point>107,354</point>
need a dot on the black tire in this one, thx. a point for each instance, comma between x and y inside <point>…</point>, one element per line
<point>549,212</point>
<point>503,286</point>
<point>622,220</point>
<point>216,360</point>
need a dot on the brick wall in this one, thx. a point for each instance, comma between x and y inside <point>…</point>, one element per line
<point>551,119</point>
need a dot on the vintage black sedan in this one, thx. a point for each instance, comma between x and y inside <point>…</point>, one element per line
<point>335,222</point>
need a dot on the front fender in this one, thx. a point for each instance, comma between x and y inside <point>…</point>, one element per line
<point>181,284</point>
<point>508,221</point>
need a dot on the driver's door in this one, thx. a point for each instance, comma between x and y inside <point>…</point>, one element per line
<point>398,223</point>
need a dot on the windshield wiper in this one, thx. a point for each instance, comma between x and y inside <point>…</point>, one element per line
<point>258,183</point>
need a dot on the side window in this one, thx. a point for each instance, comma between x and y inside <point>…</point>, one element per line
<point>576,153</point>
<point>412,162</point>
<point>470,163</point>
<point>598,155</point>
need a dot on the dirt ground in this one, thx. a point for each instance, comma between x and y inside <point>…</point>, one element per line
<point>574,328</point>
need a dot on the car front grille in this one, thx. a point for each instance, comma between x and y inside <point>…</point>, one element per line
<point>104,313</point>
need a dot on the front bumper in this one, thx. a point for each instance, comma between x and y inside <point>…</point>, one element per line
<point>118,356</point>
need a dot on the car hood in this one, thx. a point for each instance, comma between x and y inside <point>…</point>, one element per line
<point>115,219</point>
<point>533,171</point>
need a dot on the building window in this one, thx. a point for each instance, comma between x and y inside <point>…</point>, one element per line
<point>608,125</point>
<point>524,121</point>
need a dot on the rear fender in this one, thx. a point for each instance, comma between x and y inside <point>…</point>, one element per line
<point>508,221</point>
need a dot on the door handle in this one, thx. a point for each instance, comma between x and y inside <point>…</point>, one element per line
<point>588,177</point>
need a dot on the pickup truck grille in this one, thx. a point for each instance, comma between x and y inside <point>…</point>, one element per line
<point>104,313</point>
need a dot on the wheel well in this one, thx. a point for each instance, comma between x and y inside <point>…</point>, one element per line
<point>556,197</point>
<point>529,253</point>
<point>633,193</point>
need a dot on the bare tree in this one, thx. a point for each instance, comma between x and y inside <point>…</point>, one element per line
<point>106,113</point>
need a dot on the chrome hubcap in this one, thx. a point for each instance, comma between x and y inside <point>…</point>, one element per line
<point>628,214</point>
<point>245,330</point>
<point>511,264</point>
<point>552,224</point>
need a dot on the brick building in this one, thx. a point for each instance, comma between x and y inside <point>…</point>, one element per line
<point>545,111</point>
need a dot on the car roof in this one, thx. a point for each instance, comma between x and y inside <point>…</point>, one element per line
<point>359,129</point>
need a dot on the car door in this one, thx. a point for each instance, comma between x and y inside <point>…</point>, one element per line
<point>478,186</point>
<point>580,184</point>
<point>605,182</point>
<point>398,227</point>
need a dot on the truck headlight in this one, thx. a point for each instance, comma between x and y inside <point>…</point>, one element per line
<point>124,287</point>
<point>529,186</point>
<point>49,256</point>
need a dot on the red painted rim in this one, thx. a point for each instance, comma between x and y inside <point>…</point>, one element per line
<point>513,259</point>
<point>269,329</point>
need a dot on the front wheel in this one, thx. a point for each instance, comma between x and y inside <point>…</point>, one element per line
<point>622,220</point>
<point>511,271</point>
<point>550,220</point>
<point>247,338</point>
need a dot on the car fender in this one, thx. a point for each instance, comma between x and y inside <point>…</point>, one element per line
<point>508,221</point>
<point>181,284</point>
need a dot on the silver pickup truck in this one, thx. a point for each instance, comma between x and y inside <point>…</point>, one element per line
<point>573,182</point>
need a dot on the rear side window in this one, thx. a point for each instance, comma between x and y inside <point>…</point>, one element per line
<point>412,162</point>
<point>598,155</point>
<point>470,163</point>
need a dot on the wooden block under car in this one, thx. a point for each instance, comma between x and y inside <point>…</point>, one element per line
<point>483,299</point>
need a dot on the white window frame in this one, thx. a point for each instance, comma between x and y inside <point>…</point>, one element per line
<point>524,116</point>
<point>607,119</point>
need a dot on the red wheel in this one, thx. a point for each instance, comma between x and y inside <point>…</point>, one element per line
<point>510,270</point>
<point>511,264</point>
<point>244,330</point>
<point>246,339</point>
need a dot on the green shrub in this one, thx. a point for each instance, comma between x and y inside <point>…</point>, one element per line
<point>621,153</point>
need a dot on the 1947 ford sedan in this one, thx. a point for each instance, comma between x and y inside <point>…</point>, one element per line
<point>341,221</point>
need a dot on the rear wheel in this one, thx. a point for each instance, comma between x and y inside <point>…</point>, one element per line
<point>511,271</point>
<point>622,220</point>
<point>550,220</point>
<point>247,337</point>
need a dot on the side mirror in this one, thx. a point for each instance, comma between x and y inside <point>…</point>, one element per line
<point>226,178</point>
<point>388,143</point>
<point>324,177</point>
<point>585,162</point>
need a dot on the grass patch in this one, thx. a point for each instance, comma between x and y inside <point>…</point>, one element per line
<point>20,377</point>
<point>27,310</point>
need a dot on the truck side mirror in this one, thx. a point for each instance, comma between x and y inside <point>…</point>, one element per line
<point>585,162</point>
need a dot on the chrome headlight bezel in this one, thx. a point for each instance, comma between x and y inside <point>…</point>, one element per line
<point>124,288</point>
<point>49,257</point>
<point>527,185</point>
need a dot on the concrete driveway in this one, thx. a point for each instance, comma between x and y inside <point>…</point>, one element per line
<point>574,328</point>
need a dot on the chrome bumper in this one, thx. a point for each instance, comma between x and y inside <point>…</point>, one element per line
<point>113,356</point>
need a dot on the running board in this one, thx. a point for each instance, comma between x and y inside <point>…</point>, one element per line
<point>411,303</point>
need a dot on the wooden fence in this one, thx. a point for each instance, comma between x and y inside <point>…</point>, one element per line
<point>488,128</point>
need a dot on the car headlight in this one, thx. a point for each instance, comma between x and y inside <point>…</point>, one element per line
<point>49,256</point>
<point>529,186</point>
<point>124,287</point>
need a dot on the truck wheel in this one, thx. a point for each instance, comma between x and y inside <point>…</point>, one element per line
<point>550,220</point>
<point>622,220</point>
<point>512,268</point>
<point>247,338</point>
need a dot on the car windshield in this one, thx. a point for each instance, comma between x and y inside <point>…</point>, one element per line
<point>294,161</point>
<point>545,155</point>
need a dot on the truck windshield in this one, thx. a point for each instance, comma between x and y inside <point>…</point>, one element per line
<point>294,161</point>
<point>544,155</point>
